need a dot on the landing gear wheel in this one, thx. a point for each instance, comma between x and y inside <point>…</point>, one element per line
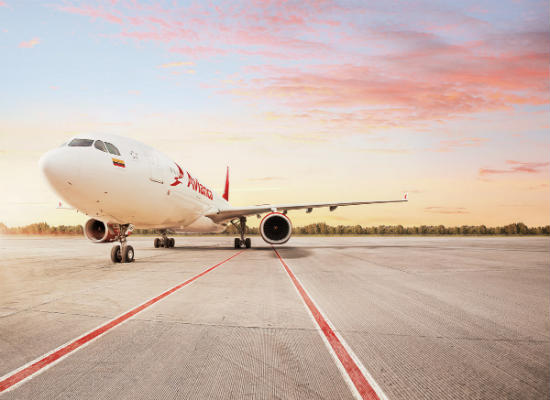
<point>122,253</point>
<point>241,228</point>
<point>116,255</point>
<point>172,242</point>
<point>128,254</point>
<point>157,243</point>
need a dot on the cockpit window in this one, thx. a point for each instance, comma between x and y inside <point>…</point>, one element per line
<point>81,142</point>
<point>98,144</point>
<point>112,149</point>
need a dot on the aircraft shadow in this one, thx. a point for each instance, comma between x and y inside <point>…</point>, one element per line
<point>289,252</point>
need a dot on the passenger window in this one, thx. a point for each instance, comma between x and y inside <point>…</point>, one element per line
<point>100,145</point>
<point>112,149</point>
<point>81,142</point>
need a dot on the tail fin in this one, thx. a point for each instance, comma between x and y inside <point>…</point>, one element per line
<point>226,191</point>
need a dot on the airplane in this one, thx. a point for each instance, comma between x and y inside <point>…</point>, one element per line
<point>122,184</point>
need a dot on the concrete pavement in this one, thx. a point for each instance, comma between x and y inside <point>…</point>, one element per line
<point>439,318</point>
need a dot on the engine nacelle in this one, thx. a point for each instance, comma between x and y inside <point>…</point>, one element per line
<point>98,231</point>
<point>276,228</point>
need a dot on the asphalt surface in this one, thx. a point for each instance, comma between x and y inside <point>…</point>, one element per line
<point>429,318</point>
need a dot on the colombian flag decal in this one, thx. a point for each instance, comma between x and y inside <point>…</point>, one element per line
<point>118,163</point>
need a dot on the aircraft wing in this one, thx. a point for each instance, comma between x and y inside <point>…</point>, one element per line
<point>231,213</point>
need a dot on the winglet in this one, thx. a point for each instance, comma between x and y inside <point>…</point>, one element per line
<point>226,191</point>
<point>405,196</point>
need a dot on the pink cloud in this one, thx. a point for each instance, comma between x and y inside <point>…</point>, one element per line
<point>541,186</point>
<point>348,86</point>
<point>433,81</point>
<point>29,44</point>
<point>273,27</point>
<point>94,13</point>
<point>3,4</point>
<point>449,145</point>
<point>389,73</point>
<point>359,120</point>
<point>162,36</point>
<point>198,51</point>
<point>517,167</point>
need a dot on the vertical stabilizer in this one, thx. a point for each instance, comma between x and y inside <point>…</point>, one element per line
<point>226,191</point>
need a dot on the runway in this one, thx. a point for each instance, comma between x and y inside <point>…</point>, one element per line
<point>436,318</point>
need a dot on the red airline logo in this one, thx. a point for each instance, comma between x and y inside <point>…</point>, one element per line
<point>177,178</point>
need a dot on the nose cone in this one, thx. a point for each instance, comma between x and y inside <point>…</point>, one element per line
<point>59,169</point>
<point>47,165</point>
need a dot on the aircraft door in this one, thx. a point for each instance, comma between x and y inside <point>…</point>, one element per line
<point>156,169</point>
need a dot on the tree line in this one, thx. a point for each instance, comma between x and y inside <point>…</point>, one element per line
<point>321,228</point>
<point>42,228</point>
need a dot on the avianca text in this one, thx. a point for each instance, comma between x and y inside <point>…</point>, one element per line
<point>197,187</point>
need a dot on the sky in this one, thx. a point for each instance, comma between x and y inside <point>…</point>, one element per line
<point>306,101</point>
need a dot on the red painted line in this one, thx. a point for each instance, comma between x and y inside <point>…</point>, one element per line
<point>354,372</point>
<point>48,359</point>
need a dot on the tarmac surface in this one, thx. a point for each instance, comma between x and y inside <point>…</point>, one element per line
<point>428,318</point>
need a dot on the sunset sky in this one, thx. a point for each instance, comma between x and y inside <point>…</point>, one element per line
<point>304,100</point>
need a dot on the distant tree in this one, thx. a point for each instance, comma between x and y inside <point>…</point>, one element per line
<point>521,228</point>
<point>510,229</point>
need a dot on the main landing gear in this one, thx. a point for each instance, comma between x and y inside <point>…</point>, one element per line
<point>123,253</point>
<point>241,242</point>
<point>164,241</point>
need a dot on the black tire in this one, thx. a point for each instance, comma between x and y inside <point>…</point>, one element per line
<point>237,243</point>
<point>247,243</point>
<point>157,243</point>
<point>128,254</point>
<point>166,243</point>
<point>172,242</point>
<point>116,257</point>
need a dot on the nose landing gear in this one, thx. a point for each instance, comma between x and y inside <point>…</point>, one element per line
<point>242,242</point>
<point>123,253</point>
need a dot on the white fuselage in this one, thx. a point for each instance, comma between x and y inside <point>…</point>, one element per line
<point>141,186</point>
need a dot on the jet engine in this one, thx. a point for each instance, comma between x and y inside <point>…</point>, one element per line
<point>276,228</point>
<point>98,232</point>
